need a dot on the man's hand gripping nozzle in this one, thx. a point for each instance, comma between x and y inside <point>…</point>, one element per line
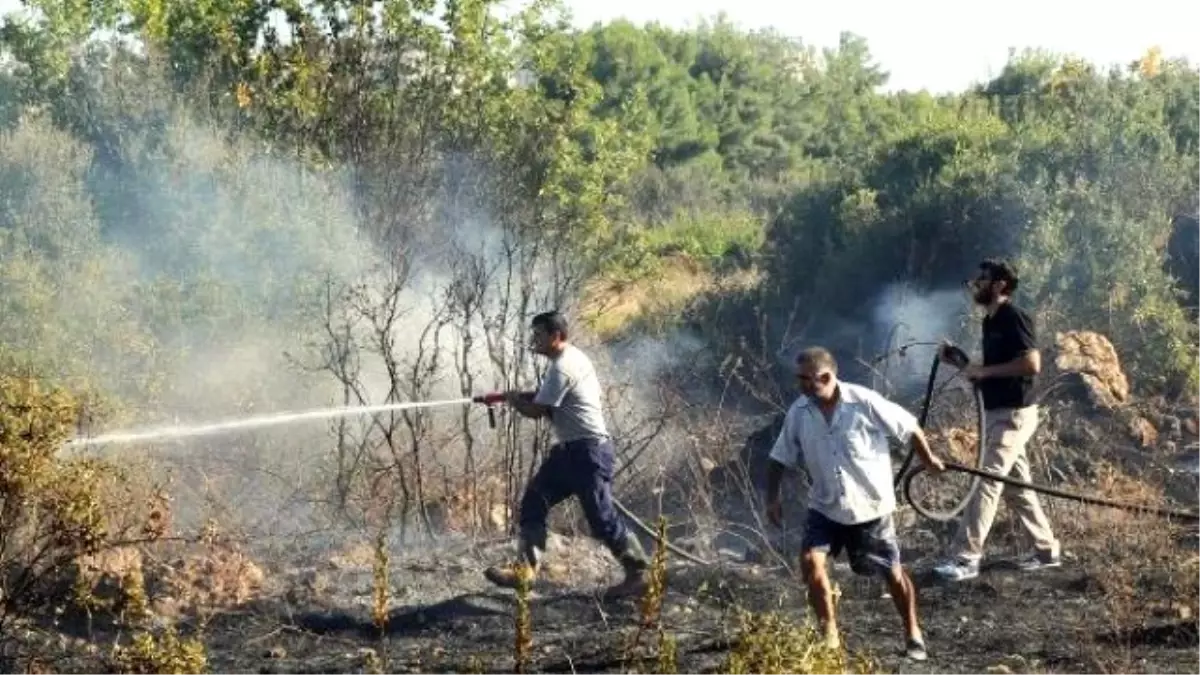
<point>954,355</point>
<point>493,399</point>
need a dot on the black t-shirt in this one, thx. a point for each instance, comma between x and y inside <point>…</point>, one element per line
<point>1006,336</point>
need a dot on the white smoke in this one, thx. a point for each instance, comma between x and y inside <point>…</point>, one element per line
<point>902,315</point>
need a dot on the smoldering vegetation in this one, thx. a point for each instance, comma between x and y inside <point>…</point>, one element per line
<point>321,208</point>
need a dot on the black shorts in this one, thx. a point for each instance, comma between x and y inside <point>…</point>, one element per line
<point>872,547</point>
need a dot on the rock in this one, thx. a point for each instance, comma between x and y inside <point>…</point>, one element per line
<point>1143,432</point>
<point>1191,426</point>
<point>1089,361</point>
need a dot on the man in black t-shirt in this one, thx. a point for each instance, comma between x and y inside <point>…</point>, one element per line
<point>1011,360</point>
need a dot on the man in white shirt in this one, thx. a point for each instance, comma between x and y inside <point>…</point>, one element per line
<point>580,464</point>
<point>840,431</point>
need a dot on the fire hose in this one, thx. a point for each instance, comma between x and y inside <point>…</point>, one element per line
<point>493,399</point>
<point>905,480</point>
<point>904,476</point>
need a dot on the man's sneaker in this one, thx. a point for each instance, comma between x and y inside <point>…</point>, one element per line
<point>957,569</point>
<point>1040,559</point>
<point>915,649</point>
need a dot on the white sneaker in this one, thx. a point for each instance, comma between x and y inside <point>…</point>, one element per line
<point>957,569</point>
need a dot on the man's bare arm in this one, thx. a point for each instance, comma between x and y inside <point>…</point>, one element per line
<point>775,472</point>
<point>920,445</point>
<point>522,402</point>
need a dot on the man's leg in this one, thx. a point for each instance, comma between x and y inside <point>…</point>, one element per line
<point>875,549</point>
<point>1007,436</point>
<point>819,542</point>
<point>549,487</point>
<point>594,468</point>
<point>1025,505</point>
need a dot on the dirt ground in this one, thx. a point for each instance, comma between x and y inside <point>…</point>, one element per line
<point>446,618</point>
<point>1125,599</point>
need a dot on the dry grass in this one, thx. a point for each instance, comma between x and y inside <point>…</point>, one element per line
<point>774,643</point>
<point>475,505</point>
<point>523,619</point>
<point>1090,524</point>
<point>650,607</point>
<point>609,307</point>
<point>166,652</point>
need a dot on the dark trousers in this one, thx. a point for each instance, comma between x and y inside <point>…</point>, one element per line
<point>583,468</point>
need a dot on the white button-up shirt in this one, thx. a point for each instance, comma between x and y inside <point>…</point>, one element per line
<point>847,457</point>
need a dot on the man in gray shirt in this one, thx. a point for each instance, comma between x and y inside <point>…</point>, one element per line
<point>580,464</point>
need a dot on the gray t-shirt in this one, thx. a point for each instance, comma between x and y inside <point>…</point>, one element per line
<point>572,390</point>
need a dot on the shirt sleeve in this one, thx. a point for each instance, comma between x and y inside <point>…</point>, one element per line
<point>1023,332</point>
<point>554,388</point>
<point>787,450</point>
<point>895,419</point>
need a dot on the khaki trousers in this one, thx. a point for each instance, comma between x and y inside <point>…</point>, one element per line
<point>1008,434</point>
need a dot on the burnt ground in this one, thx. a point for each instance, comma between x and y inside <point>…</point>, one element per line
<point>1125,600</point>
<point>1025,621</point>
<point>446,618</point>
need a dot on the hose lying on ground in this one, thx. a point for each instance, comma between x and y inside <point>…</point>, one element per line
<point>905,481</point>
<point>1064,494</point>
<point>904,477</point>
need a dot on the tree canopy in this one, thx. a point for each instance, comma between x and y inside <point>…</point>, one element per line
<point>174,171</point>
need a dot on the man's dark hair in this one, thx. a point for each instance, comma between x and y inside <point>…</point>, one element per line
<point>552,322</point>
<point>818,357</point>
<point>1001,270</point>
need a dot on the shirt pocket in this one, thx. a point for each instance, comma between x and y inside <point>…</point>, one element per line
<point>860,438</point>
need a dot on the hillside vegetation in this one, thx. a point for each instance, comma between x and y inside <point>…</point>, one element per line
<point>213,209</point>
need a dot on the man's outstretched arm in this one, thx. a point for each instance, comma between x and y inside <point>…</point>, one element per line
<point>522,402</point>
<point>920,444</point>
<point>903,426</point>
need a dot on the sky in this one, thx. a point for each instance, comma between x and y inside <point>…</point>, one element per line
<point>943,45</point>
<point>939,45</point>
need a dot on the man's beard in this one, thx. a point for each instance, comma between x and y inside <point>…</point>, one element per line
<point>984,296</point>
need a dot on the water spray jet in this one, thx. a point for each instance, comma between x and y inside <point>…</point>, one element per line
<point>186,431</point>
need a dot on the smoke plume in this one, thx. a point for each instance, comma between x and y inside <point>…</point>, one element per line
<point>188,278</point>
<point>904,317</point>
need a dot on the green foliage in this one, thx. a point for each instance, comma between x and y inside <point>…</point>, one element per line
<point>612,146</point>
<point>52,510</point>
<point>164,653</point>
<point>712,237</point>
<point>773,643</point>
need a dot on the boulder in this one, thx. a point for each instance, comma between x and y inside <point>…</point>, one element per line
<point>1087,365</point>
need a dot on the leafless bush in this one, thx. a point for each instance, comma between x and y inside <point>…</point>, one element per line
<point>449,321</point>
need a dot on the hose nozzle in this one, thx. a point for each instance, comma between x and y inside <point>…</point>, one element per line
<point>490,399</point>
<point>954,355</point>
